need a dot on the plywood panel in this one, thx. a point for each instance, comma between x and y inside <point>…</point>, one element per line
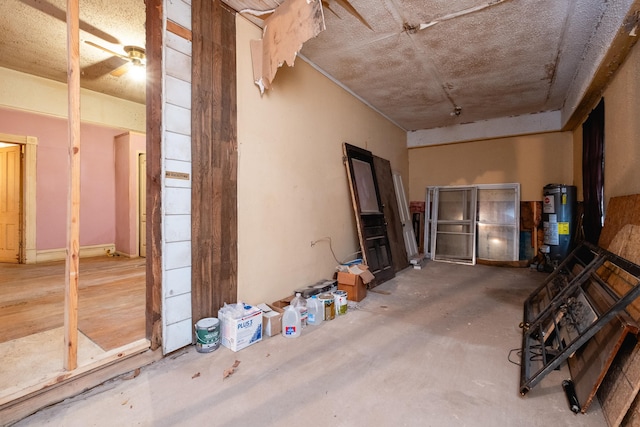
<point>621,211</point>
<point>215,158</point>
<point>621,384</point>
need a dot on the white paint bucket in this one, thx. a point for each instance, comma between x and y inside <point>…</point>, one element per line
<point>329,307</point>
<point>340,298</point>
<point>207,335</point>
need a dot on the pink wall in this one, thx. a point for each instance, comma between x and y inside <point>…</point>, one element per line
<point>127,148</point>
<point>97,174</point>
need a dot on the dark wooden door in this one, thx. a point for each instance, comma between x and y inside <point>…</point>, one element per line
<point>391,213</point>
<point>372,227</point>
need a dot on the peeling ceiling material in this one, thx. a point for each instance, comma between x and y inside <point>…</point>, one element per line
<point>284,32</point>
<point>438,63</point>
<point>424,64</point>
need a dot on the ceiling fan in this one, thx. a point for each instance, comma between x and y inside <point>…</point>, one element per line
<point>134,55</point>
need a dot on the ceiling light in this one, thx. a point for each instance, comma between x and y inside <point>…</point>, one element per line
<point>137,72</point>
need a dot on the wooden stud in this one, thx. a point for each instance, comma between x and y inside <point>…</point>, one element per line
<point>73,213</point>
<point>154,171</point>
<point>214,216</point>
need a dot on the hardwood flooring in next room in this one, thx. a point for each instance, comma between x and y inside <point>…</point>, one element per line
<point>111,302</point>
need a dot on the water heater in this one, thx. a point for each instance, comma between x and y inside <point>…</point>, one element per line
<point>558,219</point>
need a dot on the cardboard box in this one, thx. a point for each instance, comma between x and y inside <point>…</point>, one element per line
<point>237,334</point>
<point>271,319</point>
<point>355,281</point>
<point>282,303</point>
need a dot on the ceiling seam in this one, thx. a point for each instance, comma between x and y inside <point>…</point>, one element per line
<point>428,68</point>
<point>587,47</point>
<point>561,42</point>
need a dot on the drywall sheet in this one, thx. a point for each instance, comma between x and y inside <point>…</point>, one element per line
<point>293,23</point>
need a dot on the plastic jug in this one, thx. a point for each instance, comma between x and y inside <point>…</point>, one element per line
<point>301,304</point>
<point>291,326</point>
<point>315,310</point>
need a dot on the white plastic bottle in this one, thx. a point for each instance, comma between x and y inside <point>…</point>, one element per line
<point>301,304</point>
<point>315,310</point>
<point>291,326</point>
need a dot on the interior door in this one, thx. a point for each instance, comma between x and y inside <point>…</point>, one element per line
<point>410,243</point>
<point>142,204</point>
<point>391,212</point>
<point>10,204</point>
<point>371,223</point>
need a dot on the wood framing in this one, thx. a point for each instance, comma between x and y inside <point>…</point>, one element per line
<point>179,30</point>
<point>214,216</point>
<point>154,170</point>
<point>132,357</point>
<point>73,212</point>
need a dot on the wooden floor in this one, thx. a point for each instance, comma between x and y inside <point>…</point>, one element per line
<point>111,306</point>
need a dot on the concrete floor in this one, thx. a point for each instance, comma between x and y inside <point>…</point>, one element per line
<point>433,352</point>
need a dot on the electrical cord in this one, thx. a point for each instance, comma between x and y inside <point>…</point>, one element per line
<point>331,248</point>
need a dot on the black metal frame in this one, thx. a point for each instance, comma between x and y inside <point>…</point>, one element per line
<point>558,316</point>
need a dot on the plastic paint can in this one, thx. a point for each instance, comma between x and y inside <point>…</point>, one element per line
<point>207,335</point>
<point>340,298</point>
<point>329,306</point>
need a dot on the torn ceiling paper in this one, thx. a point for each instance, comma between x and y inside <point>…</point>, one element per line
<point>293,23</point>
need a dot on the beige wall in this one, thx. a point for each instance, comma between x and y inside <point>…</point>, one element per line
<point>292,184</point>
<point>622,132</point>
<point>532,160</point>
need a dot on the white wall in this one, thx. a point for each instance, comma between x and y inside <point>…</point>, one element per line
<point>176,193</point>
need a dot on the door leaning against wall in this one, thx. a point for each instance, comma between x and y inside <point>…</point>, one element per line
<point>372,225</point>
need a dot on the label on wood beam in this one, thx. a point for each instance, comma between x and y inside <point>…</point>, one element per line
<point>177,175</point>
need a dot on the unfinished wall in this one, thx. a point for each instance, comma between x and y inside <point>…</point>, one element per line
<point>531,160</point>
<point>292,184</point>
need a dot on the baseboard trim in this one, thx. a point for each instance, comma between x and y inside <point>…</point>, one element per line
<point>85,252</point>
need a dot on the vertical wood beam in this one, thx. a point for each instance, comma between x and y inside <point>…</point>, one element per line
<point>154,170</point>
<point>73,212</point>
<point>214,216</point>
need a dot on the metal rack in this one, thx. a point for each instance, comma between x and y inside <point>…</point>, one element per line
<point>559,316</point>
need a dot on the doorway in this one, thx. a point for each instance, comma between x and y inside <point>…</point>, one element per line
<point>33,285</point>
<point>10,202</point>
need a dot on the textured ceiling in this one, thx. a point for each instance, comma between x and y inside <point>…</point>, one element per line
<point>33,39</point>
<point>488,58</point>
<point>485,59</point>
